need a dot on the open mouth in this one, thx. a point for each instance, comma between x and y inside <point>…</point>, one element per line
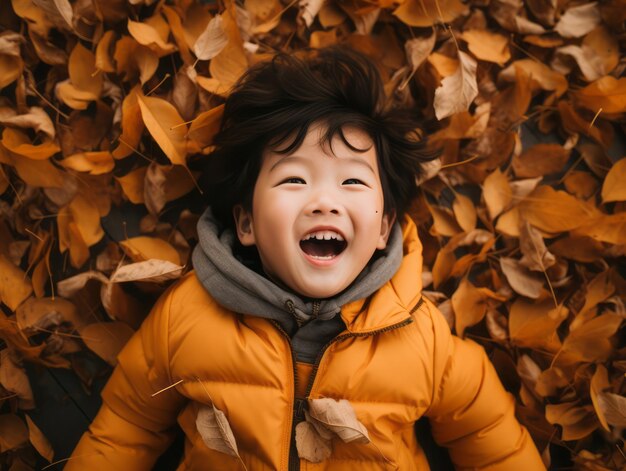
<point>323,245</point>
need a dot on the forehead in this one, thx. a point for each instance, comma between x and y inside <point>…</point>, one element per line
<point>361,148</point>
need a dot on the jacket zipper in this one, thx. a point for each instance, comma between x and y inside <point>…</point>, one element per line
<point>300,404</point>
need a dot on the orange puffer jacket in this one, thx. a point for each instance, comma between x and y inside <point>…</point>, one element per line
<point>395,362</point>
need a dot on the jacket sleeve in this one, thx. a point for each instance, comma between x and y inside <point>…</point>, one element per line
<point>471,413</point>
<point>132,427</point>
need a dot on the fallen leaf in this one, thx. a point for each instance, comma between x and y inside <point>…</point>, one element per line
<point>216,433</point>
<point>613,407</point>
<point>577,421</point>
<point>487,46</point>
<point>36,313</point>
<point>39,440</point>
<point>522,280</point>
<point>36,118</point>
<point>496,193</point>
<point>155,271</point>
<point>15,286</point>
<point>58,12</point>
<point>145,248</point>
<point>533,324</point>
<point>132,125</point>
<point>457,91</point>
<point>590,341</point>
<point>18,142</point>
<point>540,160</point>
<point>536,256</point>
<point>470,304</point>
<point>607,93</point>
<point>599,383</point>
<point>204,126</point>
<point>13,432</point>
<point>613,188</point>
<point>212,40</point>
<point>13,378</point>
<point>149,36</point>
<point>95,163</point>
<point>428,12</point>
<point>227,66</point>
<point>578,20</point>
<point>106,339</point>
<point>166,127</point>
<point>465,212</point>
<point>541,76</point>
<point>70,286</point>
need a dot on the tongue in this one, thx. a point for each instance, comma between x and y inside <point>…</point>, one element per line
<point>319,248</point>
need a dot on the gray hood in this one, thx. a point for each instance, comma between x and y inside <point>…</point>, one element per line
<point>241,289</point>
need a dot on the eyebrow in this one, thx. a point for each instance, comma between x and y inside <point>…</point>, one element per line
<point>355,160</point>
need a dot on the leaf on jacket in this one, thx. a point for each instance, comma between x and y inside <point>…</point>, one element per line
<point>339,417</point>
<point>215,430</point>
<point>310,444</point>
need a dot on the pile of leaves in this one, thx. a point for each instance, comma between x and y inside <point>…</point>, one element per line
<point>106,105</point>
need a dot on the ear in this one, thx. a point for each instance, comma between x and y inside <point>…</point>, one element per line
<point>385,229</point>
<point>243,224</point>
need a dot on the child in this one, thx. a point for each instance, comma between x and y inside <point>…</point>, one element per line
<point>305,294</point>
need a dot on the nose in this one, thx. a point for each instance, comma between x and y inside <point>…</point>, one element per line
<point>323,202</point>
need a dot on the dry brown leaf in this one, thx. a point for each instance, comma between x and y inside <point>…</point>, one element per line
<point>311,446</point>
<point>577,422</point>
<point>13,432</point>
<point>58,12</point>
<point>540,160</point>
<point>166,127</point>
<point>457,91</point>
<point>132,125</point>
<point>339,417</point>
<point>70,286</point>
<point>599,383</point>
<point>231,62</point>
<point>613,407</point>
<point>541,76</point>
<point>144,248</point>
<point>444,222</point>
<point>428,12</point>
<point>578,20</point>
<point>614,186</point>
<point>536,256</point>
<point>212,40</point>
<point>13,378</point>
<point>36,313</point>
<point>155,271</point>
<point>522,280</point>
<point>134,60</point>
<point>216,433</point>
<point>610,228</point>
<point>470,304</point>
<point>39,440</point>
<point>184,94</point>
<point>533,324</point>
<point>11,64</point>
<point>583,185</point>
<point>106,339</point>
<point>591,341</point>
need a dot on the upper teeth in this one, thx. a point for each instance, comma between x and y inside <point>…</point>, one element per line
<point>323,235</point>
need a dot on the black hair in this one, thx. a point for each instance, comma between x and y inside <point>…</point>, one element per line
<point>275,102</point>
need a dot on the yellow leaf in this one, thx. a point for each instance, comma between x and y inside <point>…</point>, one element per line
<point>465,212</point>
<point>166,127</point>
<point>470,305</point>
<point>132,60</point>
<point>39,440</point>
<point>104,60</point>
<point>106,339</point>
<point>533,324</point>
<point>497,193</point>
<point>599,383</point>
<point>609,228</point>
<point>427,12</point>
<point>132,125</point>
<point>443,222</point>
<point>607,93</point>
<point>590,341</point>
<point>96,163</point>
<point>147,35</point>
<point>15,285</point>
<point>231,62</point>
<point>13,378</point>
<point>146,248</point>
<point>13,432</point>
<point>614,186</point>
<point>86,216</point>
<point>509,222</point>
<point>555,211</point>
<point>133,185</point>
<point>18,142</point>
<point>487,46</point>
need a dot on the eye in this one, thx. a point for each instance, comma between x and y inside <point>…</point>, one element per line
<point>353,181</point>
<point>296,180</point>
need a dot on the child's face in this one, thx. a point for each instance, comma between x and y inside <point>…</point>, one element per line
<point>303,199</point>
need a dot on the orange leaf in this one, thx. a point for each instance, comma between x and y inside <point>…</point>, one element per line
<point>147,248</point>
<point>533,324</point>
<point>166,127</point>
<point>15,285</point>
<point>39,440</point>
<point>427,12</point>
<point>18,142</point>
<point>470,305</point>
<point>607,93</point>
<point>614,186</point>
